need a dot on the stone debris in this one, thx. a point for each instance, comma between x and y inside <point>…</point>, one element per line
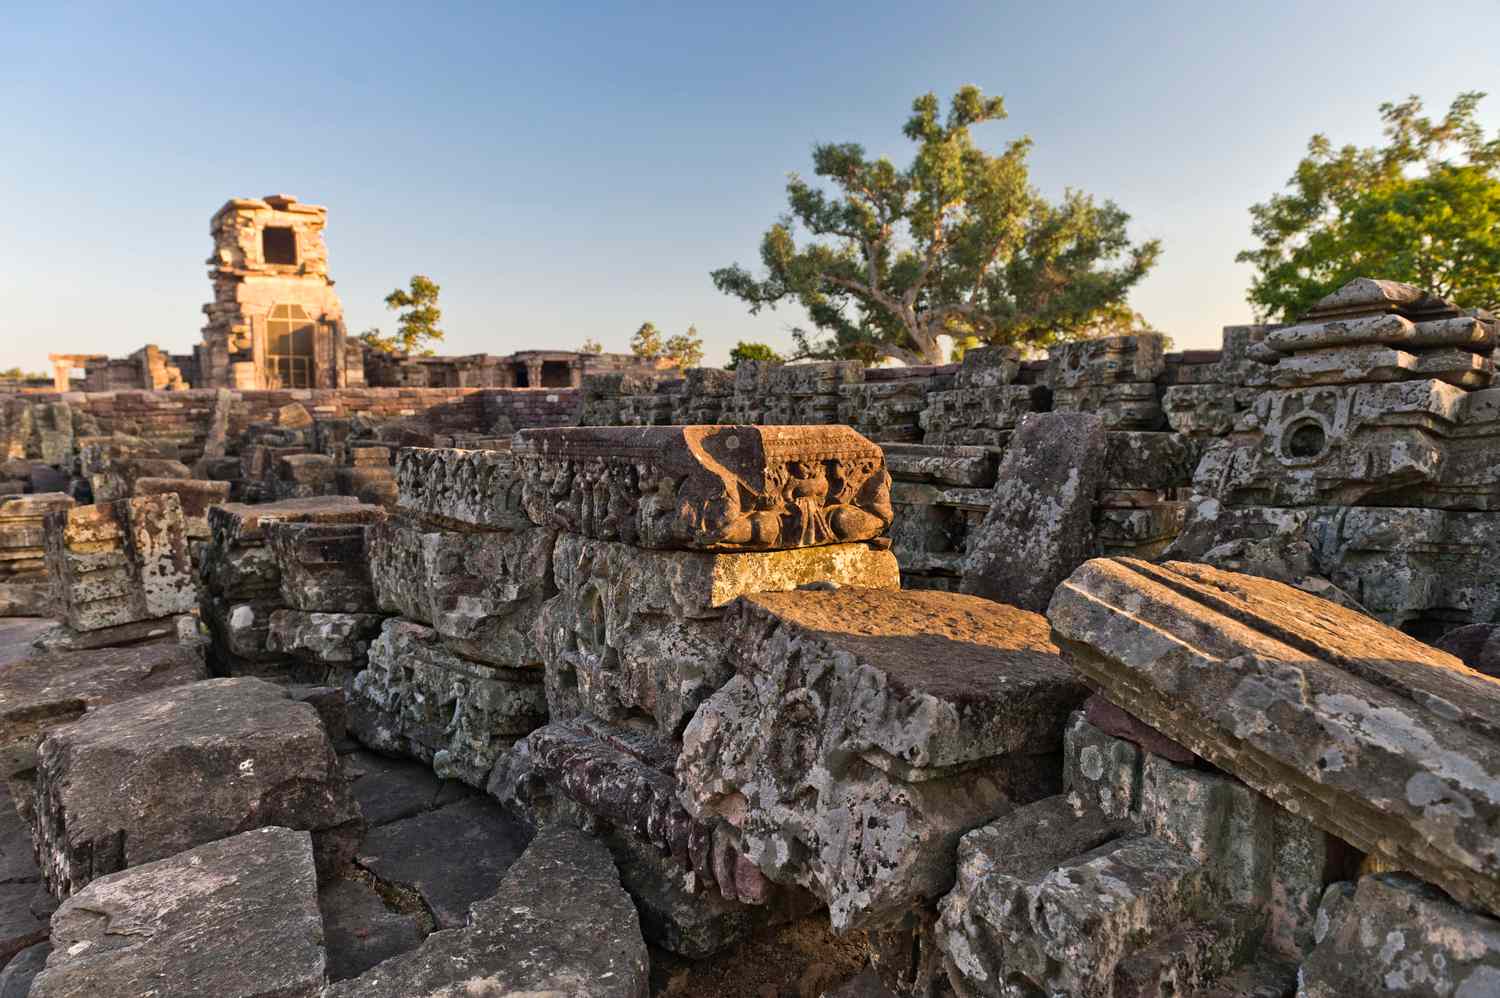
<point>704,487</point>
<point>141,779</point>
<point>865,731</point>
<point>559,924</point>
<point>1386,742</point>
<point>236,918</point>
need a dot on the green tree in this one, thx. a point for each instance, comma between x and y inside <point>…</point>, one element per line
<point>591,345</point>
<point>744,350</point>
<point>647,342</point>
<point>1424,209</point>
<point>684,350</point>
<point>417,327</point>
<point>958,243</point>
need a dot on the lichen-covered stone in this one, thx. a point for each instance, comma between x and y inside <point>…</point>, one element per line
<point>338,639</point>
<point>323,567</point>
<point>486,590</point>
<point>419,698</point>
<point>1040,524</point>
<point>707,487</point>
<point>1394,935</point>
<point>120,562</point>
<point>632,630</point>
<point>1373,736</point>
<point>140,779</point>
<point>464,488</point>
<point>866,731</point>
<point>236,918</point>
<point>558,925</point>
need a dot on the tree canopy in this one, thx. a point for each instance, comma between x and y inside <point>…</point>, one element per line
<point>417,327</point>
<point>1424,209</point>
<point>744,350</point>
<point>959,243</point>
<point>681,351</point>
<point>591,345</point>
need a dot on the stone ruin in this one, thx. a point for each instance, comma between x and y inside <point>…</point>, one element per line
<point>1128,673</point>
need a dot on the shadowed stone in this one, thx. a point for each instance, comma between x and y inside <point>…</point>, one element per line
<point>237,918</point>
<point>558,925</point>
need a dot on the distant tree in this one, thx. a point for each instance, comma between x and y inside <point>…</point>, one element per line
<point>16,374</point>
<point>1424,209</point>
<point>417,327</point>
<point>752,351</point>
<point>591,345</point>
<point>684,350</point>
<point>958,244</point>
<point>647,342</point>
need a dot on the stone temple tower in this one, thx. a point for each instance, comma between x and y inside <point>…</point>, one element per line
<point>275,321</point>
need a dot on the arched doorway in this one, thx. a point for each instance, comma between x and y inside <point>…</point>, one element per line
<point>289,347</point>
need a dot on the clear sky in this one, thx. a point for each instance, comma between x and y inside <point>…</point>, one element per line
<point>570,170</point>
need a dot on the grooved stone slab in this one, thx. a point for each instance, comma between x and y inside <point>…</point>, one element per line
<point>560,924</point>
<point>140,780</point>
<point>237,918</point>
<point>1371,735</point>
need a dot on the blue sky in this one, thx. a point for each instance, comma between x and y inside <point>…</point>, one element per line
<point>570,170</point>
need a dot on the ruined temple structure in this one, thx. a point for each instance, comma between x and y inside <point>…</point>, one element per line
<point>275,321</point>
<point>1122,674</point>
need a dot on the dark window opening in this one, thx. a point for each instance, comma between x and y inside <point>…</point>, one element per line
<point>523,377</point>
<point>289,347</point>
<point>279,245</point>
<point>555,374</point>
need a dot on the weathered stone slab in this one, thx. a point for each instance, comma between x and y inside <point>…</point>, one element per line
<point>46,691</point>
<point>1386,328</point>
<point>138,780</point>
<point>463,488</point>
<point>1373,736</point>
<point>852,764</point>
<point>1394,935</point>
<point>632,630</point>
<point>323,566</point>
<point>1106,360</point>
<point>418,698</point>
<point>120,562</point>
<point>558,925</point>
<point>1367,296</point>
<point>360,931</point>
<point>243,524</point>
<point>1040,524</point>
<point>486,591</point>
<point>979,416</point>
<point>707,487</point>
<point>397,572</point>
<point>971,467</point>
<point>237,918</point>
<point>195,495</point>
<point>419,852</point>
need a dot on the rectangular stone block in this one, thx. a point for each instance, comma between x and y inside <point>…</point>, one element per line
<point>462,488</point>
<point>420,699</point>
<point>1377,738</point>
<point>903,719</point>
<point>120,562</point>
<point>486,591</point>
<point>323,566</point>
<point>237,918</point>
<point>707,487</point>
<point>1107,360</point>
<point>113,789</point>
<point>640,632</point>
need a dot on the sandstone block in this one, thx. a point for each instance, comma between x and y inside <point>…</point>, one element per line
<point>1373,736</point>
<point>1040,524</point>
<point>419,698</point>
<point>394,548</point>
<point>1394,935</point>
<point>1107,360</point>
<point>195,495</point>
<point>632,630</point>
<point>707,487</point>
<point>866,731</point>
<point>45,691</point>
<point>141,779</point>
<point>322,638</point>
<point>236,918</point>
<point>120,562</point>
<point>463,488</point>
<point>323,566</point>
<point>486,591</point>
